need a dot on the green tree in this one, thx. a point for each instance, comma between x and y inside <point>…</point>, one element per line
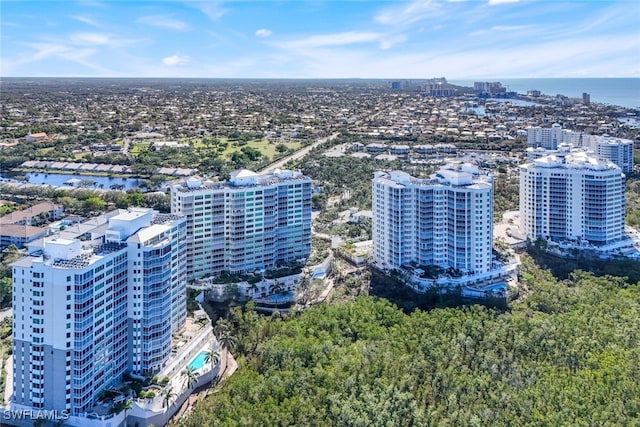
<point>227,341</point>
<point>167,396</point>
<point>276,287</point>
<point>212,356</point>
<point>6,290</point>
<point>135,198</point>
<point>126,407</point>
<point>191,377</point>
<point>93,204</point>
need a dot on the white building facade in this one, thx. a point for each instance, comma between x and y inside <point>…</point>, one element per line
<point>253,222</point>
<point>575,197</point>
<point>444,221</point>
<point>616,150</point>
<point>89,308</point>
<point>550,138</point>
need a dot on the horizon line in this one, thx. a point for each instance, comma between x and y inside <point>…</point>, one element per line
<point>315,78</point>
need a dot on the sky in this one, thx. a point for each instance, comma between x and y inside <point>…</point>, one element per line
<point>320,39</point>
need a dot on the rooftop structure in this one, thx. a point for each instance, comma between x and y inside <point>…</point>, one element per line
<point>252,222</point>
<point>34,215</point>
<point>617,150</point>
<point>444,221</point>
<point>574,197</point>
<point>97,308</point>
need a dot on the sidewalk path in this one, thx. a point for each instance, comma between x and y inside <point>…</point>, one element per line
<point>298,154</point>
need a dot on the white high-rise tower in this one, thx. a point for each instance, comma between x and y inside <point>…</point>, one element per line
<point>90,306</point>
<point>444,221</point>
<point>253,222</point>
<point>572,197</point>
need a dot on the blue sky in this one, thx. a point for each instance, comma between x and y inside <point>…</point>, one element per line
<point>321,39</point>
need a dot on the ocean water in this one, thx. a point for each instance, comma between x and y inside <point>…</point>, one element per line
<point>624,92</point>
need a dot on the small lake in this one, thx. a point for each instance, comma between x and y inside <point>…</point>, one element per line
<point>513,101</point>
<point>83,181</point>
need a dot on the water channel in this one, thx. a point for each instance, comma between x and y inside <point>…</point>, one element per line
<point>81,181</point>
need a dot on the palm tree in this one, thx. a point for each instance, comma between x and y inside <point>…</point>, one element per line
<point>167,395</point>
<point>303,289</point>
<point>227,341</point>
<point>276,287</point>
<point>126,405</point>
<point>191,376</point>
<point>212,356</point>
<point>221,327</point>
<point>253,288</point>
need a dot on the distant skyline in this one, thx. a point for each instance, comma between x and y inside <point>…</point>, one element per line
<point>457,39</point>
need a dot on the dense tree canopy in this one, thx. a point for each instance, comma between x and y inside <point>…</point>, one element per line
<point>568,354</point>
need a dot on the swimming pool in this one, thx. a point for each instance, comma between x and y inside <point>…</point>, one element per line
<point>198,361</point>
<point>281,297</point>
<point>57,226</point>
<point>500,287</point>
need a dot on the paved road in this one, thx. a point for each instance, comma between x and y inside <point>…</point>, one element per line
<point>298,154</point>
<point>125,148</point>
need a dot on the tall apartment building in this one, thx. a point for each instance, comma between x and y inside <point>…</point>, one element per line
<point>550,138</point>
<point>446,220</point>
<point>491,88</point>
<point>616,150</point>
<point>253,222</point>
<point>572,197</point>
<point>89,307</point>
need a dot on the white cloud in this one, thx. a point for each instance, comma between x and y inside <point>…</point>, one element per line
<point>409,13</point>
<point>502,28</point>
<point>263,32</point>
<point>495,2</point>
<point>45,51</point>
<point>509,27</point>
<point>561,58</point>
<point>90,39</point>
<point>86,20</point>
<point>163,21</point>
<point>176,60</point>
<point>213,9</point>
<point>335,39</point>
<point>389,42</point>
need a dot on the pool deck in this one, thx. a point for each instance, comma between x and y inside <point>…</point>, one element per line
<point>198,362</point>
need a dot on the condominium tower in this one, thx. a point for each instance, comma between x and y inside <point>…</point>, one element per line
<point>445,221</point>
<point>91,306</point>
<point>551,137</point>
<point>575,196</point>
<point>616,150</point>
<point>252,222</point>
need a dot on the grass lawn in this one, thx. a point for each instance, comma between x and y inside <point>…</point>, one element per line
<point>136,147</point>
<point>266,148</point>
<point>44,151</point>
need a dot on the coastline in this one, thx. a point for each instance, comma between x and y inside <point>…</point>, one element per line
<point>618,91</point>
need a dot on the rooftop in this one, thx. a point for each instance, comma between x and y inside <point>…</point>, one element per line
<point>16,230</point>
